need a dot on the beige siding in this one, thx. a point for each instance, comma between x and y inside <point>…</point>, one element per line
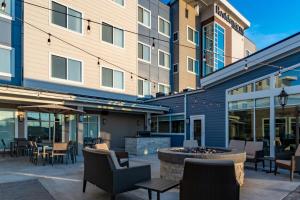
<point>36,56</point>
<point>249,45</point>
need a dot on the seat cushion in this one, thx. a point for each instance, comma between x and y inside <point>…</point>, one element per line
<point>237,144</point>
<point>115,160</point>
<point>252,147</point>
<point>250,156</point>
<point>284,162</point>
<point>123,160</point>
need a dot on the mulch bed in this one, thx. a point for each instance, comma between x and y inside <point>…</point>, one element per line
<point>24,190</point>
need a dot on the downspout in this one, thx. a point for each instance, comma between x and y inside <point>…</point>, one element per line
<point>185,115</point>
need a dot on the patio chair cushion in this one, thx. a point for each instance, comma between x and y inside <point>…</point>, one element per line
<point>123,160</point>
<point>190,143</point>
<point>115,160</point>
<point>252,147</point>
<point>284,162</point>
<point>102,146</point>
<point>237,144</point>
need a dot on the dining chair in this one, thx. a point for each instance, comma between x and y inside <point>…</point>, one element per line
<point>59,150</point>
<point>4,147</point>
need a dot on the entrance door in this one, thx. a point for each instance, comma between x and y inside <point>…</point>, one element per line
<point>197,129</point>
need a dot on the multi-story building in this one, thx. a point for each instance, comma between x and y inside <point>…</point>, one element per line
<point>208,35</point>
<point>154,56</point>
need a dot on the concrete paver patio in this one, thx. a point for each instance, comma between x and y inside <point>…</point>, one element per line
<point>65,181</point>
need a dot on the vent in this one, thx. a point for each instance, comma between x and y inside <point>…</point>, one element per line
<point>186,13</point>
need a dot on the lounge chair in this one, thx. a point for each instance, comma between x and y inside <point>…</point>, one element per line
<point>237,145</point>
<point>122,156</point>
<point>209,180</point>
<point>255,152</point>
<point>102,169</point>
<point>288,164</point>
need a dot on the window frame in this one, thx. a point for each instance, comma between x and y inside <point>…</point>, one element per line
<point>65,81</point>
<point>168,36</point>
<point>170,124</point>
<point>149,27</point>
<point>66,28</point>
<point>112,88</point>
<point>12,67</point>
<point>165,85</point>
<point>122,6</point>
<point>150,86</point>
<point>194,67</point>
<point>161,66</point>
<point>194,31</point>
<point>141,59</point>
<point>114,27</point>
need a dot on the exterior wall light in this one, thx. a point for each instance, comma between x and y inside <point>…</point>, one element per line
<point>283,98</point>
<point>3,5</point>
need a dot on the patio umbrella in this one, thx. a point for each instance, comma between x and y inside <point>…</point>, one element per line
<point>52,108</point>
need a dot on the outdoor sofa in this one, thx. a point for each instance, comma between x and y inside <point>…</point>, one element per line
<point>102,169</point>
<point>209,180</point>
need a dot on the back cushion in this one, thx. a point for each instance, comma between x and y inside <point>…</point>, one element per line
<point>102,146</point>
<point>115,160</point>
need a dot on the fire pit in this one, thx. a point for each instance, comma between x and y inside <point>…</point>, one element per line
<point>172,160</point>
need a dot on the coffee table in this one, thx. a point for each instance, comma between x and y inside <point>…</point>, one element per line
<point>157,185</point>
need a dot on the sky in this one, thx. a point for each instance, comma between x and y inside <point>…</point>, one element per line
<point>271,20</point>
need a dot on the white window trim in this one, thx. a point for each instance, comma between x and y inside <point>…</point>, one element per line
<point>122,6</point>
<point>177,68</point>
<point>164,67</point>
<point>194,67</point>
<point>113,44</point>
<point>142,60</point>
<point>12,50</point>
<point>177,36</point>
<point>163,84</point>
<point>98,122</point>
<point>65,81</point>
<point>192,135</point>
<point>187,35</point>
<point>149,27</point>
<point>61,27</point>
<point>150,85</point>
<point>112,88</point>
<point>170,125</point>
<point>12,16</point>
<point>159,17</point>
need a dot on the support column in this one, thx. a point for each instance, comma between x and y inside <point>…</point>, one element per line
<point>80,133</point>
<point>148,121</point>
<point>272,126</point>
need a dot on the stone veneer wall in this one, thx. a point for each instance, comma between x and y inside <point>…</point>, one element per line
<point>147,145</point>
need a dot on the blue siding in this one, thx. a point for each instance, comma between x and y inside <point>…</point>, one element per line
<point>176,140</point>
<point>211,102</point>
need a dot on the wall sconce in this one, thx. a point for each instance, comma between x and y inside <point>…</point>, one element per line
<point>67,118</point>
<point>21,117</point>
<point>187,120</point>
<point>103,121</point>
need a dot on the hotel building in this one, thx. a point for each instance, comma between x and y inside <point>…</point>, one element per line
<point>208,35</point>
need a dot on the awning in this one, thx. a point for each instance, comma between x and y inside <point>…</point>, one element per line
<point>52,108</point>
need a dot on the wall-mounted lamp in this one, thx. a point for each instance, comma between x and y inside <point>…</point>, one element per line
<point>21,117</point>
<point>283,98</point>
<point>103,121</point>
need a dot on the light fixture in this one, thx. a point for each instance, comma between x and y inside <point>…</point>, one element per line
<point>246,65</point>
<point>131,76</point>
<point>279,72</point>
<point>3,5</point>
<point>49,39</point>
<point>21,117</point>
<point>204,56</point>
<point>98,63</point>
<point>153,43</point>
<point>283,98</point>
<point>89,26</point>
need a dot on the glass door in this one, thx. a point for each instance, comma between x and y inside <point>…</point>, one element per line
<point>197,129</point>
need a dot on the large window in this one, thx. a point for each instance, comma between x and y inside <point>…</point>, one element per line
<point>90,126</point>
<point>213,48</point>
<point>173,123</point>
<point>192,35</point>
<point>66,17</point>
<point>144,88</point>
<point>112,78</point>
<point>192,65</point>
<point>288,78</point>
<point>163,27</point>
<point>144,52</point>
<point>112,35</point>
<point>144,16</point>
<point>66,69</point>
<point>163,59</point>
<point>6,58</point>
<point>7,126</point>
<point>163,88</point>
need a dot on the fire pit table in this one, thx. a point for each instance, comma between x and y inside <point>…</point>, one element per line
<point>172,160</point>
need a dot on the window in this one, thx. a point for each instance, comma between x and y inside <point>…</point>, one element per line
<point>193,65</point>
<point>144,52</point>
<point>177,124</point>
<point>163,88</point>
<point>163,27</point>
<point>112,35</point>
<point>144,88</point>
<point>7,126</point>
<point>120,2</point>
<point>66,69</point>
<point>175,36</point>
<point>8,9</point>
<point>192,36</point>
<point>213,48</point>
<point>90,126</point>
<point>6,61</point>
<point>112,78</point>
<point>173,123</point>
<point>144,17</point>
<point>175,68</point>
<point>288,78</point>
<point>262,84</point>
<point>66,17</point>
<point>163,124</point>
<point>163,59</point>
<point>241,90</point>
<point>186,13</point>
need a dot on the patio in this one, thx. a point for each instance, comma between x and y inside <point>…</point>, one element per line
<point>65,181</point>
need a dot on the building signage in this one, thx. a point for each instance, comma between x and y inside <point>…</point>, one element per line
<point>227,18</point>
